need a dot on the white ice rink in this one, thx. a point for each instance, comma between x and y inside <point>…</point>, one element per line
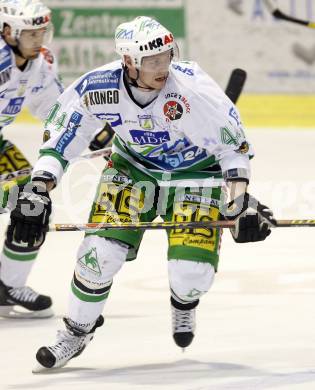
<point>255,328</point>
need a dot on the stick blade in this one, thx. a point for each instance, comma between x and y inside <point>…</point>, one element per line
<point>278,14</point>
<point>235,84</point>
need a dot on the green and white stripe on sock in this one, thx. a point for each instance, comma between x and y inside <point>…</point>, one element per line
<point>89,295</point>
<point>18,254</point>
<point>16,264</point>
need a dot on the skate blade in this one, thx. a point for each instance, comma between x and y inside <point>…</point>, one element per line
<point>39,369</point>
<point>12,312</point>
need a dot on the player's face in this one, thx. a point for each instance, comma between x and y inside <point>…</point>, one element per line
<point>154,69</point>
<point>31,41</point>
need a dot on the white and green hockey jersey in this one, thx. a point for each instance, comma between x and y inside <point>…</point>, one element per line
<point>36,87</point>
<point>190,126</point>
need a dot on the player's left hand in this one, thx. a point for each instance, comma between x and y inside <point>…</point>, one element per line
<point>252,219</point>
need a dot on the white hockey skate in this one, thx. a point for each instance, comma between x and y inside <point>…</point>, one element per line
<point>70,344</point>
<point>183,326</point>
<point>23,302</point>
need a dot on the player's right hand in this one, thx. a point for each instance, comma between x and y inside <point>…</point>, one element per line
<point>30,215</point>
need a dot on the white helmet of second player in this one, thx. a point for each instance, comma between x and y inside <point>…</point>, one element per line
<point>143,37</point>
<point>24,15</point>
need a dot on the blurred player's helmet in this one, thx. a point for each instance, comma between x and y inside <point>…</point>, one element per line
<point>25,15</point>
<point>143,37</point>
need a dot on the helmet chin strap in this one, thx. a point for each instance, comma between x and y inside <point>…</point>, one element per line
<point>16,49</point>
<point>133,82</point>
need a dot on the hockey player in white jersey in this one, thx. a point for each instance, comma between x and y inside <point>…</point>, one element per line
<point>177,138</point>
<point>28,77</point>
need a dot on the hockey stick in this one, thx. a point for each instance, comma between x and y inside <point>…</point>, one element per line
<point>295,223</point>
<point>106,152</point>
<point>86,227</point>
<point>278,14</point>
<point>235,84</point>
<point>12,175</point>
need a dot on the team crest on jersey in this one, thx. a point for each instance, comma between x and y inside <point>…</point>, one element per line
<point>173,110</point>
<point>146,122</point>
<point>181,98</point>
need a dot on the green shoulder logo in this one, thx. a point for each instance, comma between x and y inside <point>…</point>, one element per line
<point>55,118</point>
<point>227,137</point>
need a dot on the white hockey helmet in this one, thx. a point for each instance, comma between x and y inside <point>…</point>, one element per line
<point>143,37</point>
<point>24,15</point>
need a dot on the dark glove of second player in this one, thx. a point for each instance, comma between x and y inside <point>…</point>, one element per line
<point>252,219</point>
<point>102,139</point>
<point>30,216</point>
